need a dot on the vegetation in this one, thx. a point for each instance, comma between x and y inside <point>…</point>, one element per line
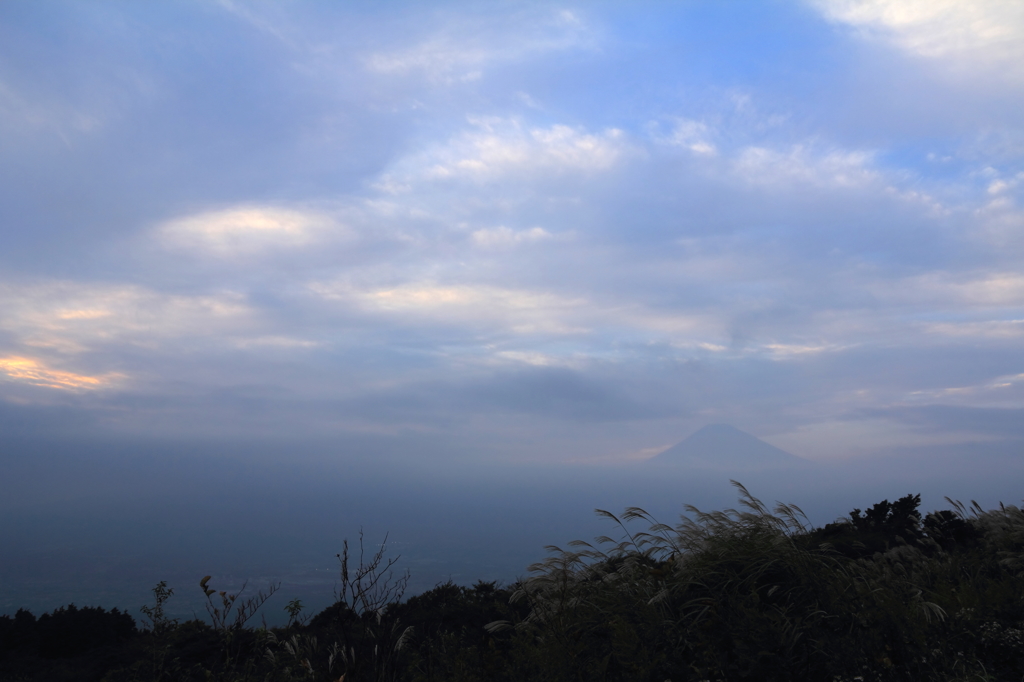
<point>741,594</point>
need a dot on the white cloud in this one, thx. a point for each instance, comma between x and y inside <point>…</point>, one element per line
<point>999,221</point>
<point>1003,390</point>
<point>500,309</point>
<point>983,32</point>
<point>482,311</point>
<point>439,58</point>
<point>992,329</point>
<point>784,351</point>
<point>461,51</point>
<point>965,291</point>
<point>1004,185</point>
<point>534,358</point>
<point>247,230</point>
<point>504,237</point>
<point>804,165</point>
<point>689,134</point>
<point>1006,289</point>
<point>276,341</point>
<point>502,146</point>
<point>68,318</point>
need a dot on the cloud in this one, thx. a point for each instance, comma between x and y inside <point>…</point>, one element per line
<point>1000,219</point>
<point>802,165</point>
<point>436,195</point>
<point>500,147</point>
<point>276,341</point>
<point>504,237</point>
<point>535,359</point>
<point>983,422</point>
<point>696,136</point>
<point>461,51</point>
<point>247,230</point>
<point>1003,185</point>
<point>562,392</point>
<point>479,312</point>
<point>1000,390</point>
<point>36,373</point>
<point>438,58</point>
<point>962,291</point>
<point>969,32</point>
<point>792,350</point>
<point>476,306</point>
<point>1002,289</point>
<point>69,318</point>
<point>992,329</point>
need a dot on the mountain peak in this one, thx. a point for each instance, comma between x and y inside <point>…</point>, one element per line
<point>724,447</point>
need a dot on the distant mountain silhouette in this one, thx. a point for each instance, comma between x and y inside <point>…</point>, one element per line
<point>724,448</point>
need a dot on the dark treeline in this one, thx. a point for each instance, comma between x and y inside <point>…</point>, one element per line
<point>743,594</point>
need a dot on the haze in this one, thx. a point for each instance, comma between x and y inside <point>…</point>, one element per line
<point>270,272</point>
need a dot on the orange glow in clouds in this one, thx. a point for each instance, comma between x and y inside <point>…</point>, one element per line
<point>34,372</point>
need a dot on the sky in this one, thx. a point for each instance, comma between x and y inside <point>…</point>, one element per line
<point>271,272</point>
<point>518,232</point>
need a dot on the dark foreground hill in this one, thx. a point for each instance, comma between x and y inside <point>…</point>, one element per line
<point>884,594</point>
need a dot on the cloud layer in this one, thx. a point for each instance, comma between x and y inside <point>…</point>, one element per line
<point>526,226</point>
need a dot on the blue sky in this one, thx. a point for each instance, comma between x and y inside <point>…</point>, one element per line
<point>537,232</point>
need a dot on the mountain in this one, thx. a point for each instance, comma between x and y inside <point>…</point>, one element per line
<point>724,448</point>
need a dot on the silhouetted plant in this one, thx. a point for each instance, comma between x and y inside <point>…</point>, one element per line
<point>370,585</point>
<point>232,614</point>
<point>158,620</point>
<point>734,594</point>
<point>294,610</point>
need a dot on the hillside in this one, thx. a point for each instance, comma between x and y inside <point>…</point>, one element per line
<point>885,594</point>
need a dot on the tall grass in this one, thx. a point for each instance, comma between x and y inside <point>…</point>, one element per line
<point>753,593</point>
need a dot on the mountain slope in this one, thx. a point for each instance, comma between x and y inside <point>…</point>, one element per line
<point>724,447</point>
